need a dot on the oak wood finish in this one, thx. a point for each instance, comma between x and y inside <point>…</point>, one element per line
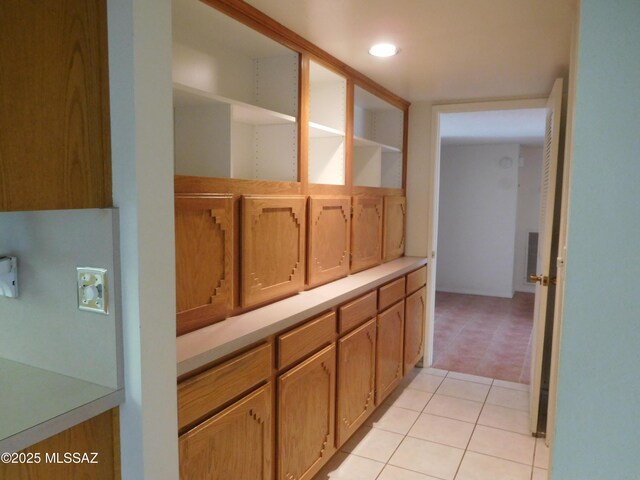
<point>366,233</point>
<point>304,87</point>
<point>356,380</point>
<point>273,247</point>
<point>377,191</point>
<point>54,105</point>
<point>237,186</point>
<point>257,20</point>
<point>329,239</point>
<point>414,324</point>
<point>300,342</point>
<point>395,215</point>
<point>391,293</point>
<point>389,353</point>
<point>357,311</point>
<point>204,259</point>
<point>236,444</point>
<point>306,416</point>
<point>202,394</point>
<point>416,279</point>
<point>99,434</point>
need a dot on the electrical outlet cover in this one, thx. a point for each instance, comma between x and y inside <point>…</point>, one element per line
<point>92,290</point>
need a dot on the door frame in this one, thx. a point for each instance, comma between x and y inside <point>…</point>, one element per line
<point>433,185</point>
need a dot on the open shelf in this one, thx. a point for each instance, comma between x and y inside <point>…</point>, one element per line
<point>321,131</point>
<point>363,142</point>
<point>183,95</point>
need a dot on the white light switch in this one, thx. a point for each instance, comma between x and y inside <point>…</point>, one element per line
<point>92,290</point>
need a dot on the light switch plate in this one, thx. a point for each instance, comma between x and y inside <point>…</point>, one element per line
<point>92,290</point>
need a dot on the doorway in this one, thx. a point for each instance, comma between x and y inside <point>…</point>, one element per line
<point>489,209</point>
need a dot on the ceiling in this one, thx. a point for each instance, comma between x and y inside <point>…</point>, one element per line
<point>525,127</point>
<point>449,49</point>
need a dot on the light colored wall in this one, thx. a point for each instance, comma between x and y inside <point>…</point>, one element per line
<point>528,215</point>
<point>598,417</point>
<point>477,219</point>
<point>142,160</point>
<point>43,327</point>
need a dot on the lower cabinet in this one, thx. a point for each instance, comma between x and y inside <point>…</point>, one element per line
<point>389,359</point>
<point>356,379</point>
<point>236,444</point>
<point>306,416</point>
<point>414,322</point>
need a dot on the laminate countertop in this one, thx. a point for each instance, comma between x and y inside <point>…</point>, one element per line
<point>203,346</point>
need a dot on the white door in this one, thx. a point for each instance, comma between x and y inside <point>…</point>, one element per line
<point>547,203</point>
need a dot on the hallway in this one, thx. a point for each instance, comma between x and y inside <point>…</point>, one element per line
<point>486,336</point>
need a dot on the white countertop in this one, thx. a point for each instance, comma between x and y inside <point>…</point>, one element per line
<point>207,344</point>
<point>37,403</point>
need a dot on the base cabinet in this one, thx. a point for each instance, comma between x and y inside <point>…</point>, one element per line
<point>236,444</point>
<point>306,416</point>
<point>356,379</point>
<point>414,322</point>
<point>389,359</point>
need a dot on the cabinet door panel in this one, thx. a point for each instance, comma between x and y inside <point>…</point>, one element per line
<point>306,416</point>
<point>204,260</point>
<point>414,323</point>
<point>366,233</point>
<point>356,379</point>
<point>273,247</point>
<point>329,239</point>
<point>395,213</point>
<point>236,444</point>
<point>389,359</point>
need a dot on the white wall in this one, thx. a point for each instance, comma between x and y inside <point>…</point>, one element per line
<point>598,414</point>
<point>528,215</point>
<point>142,160</point>
<point>477,219</point>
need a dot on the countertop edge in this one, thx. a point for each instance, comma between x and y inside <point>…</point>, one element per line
<point>62,422</point>
<point>215,341</point>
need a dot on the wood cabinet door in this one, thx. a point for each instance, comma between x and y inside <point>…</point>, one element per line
<point>204,259</point>
<point>366,233</point>
<point>414,324</point>
<point>356,379</point>
<point>389,359</point>
<point>306,416</point>
<point>273,247</point>
<point>395,214</point>
<point>329,239</point>
<point>236,444</point>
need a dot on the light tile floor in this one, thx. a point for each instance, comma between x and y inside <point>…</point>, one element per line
<point>441,425</point>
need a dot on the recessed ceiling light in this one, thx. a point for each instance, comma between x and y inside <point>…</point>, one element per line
<point>383,50</point>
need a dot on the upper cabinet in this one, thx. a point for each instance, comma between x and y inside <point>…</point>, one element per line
<point>235,94</point>
<point>378,141</point>
<point>327,125</point>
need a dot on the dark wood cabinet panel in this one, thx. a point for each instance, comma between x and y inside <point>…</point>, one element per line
<point>54,105</point>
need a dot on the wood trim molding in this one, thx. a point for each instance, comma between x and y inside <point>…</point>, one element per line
<point>254,18</point>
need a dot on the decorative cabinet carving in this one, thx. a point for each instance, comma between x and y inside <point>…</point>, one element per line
<point>273,247</point>
<point>389,362</point>
<point>236,444</point>
<point>356,379</point>
<point>204,259</point>
<point>329,239</point>
<point>306,416</point>
<point>414,323</point>
<point>395,214</point>
<point>366,232</point>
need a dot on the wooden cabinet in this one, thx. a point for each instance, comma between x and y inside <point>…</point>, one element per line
<point>329,239</point>
<point>54,105</point>
<point>395,214</point>
<point>273,247</point>
<point>389,358</point>
<point>356,379</point>
<point>306,416</point>
<point>301,341</point>
<point>414,325</point>
<point>357,311</point>
<point>236,444</point>
<point>416,279</point>
<point>391,293</point>
<point>366,233</point>
<point>204,259</point>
